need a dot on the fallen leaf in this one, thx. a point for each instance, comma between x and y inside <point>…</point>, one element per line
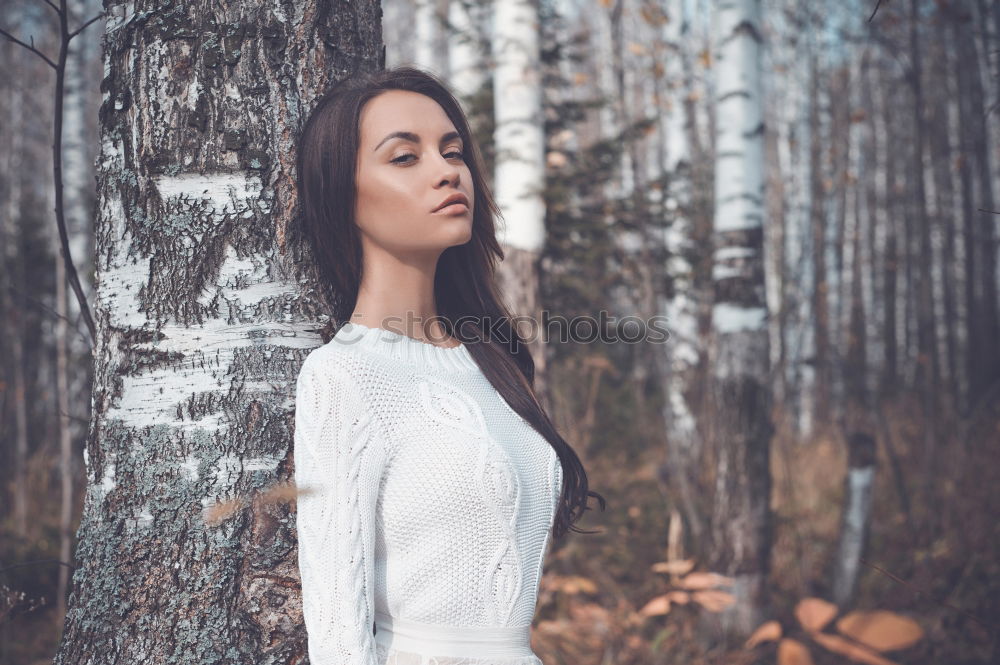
<point>793,652</point>
<point>769,631</point>
<point>880,629</point>
<point>855,652</point>
<point>704,581</point>
<point>814,613</point>
<point>656,607</point>
<point>674,567</point>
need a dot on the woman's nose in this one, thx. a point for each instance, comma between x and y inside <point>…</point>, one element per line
<point>449,172</point>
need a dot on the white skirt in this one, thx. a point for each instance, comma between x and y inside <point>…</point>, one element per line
<point>404,642</point>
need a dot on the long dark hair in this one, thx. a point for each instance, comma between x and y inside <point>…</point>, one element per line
<point>464,282</point>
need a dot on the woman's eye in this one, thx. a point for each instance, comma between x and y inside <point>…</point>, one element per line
<point>402,158</point>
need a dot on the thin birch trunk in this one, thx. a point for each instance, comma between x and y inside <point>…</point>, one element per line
<point>928,373</point>
<point>858,493</point>
<point>65,435</point>
<point>944,226</point>
<point>854,402</point>
<point>890,278</point>
<point>467,50</point>
<point>818,228</point>
<point>613,121</point>
<point>874,193</point>
<point>430,47</point>
<point>14,286</point>
<point>954,247</point>
<point>520,168</point>
<point>797,296</point>
<point>739,385</point>
<point>684,442</point>
<point>77,196</point>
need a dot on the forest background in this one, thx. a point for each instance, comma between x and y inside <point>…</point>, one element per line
<point>804,190</point>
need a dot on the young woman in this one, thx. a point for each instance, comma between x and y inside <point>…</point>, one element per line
<point>430,477</point>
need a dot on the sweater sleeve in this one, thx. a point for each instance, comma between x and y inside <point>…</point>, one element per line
<point>337,472</point>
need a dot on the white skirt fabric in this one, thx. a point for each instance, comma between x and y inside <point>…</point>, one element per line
<point>403,642</point>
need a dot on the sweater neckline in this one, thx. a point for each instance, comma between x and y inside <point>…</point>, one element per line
<point>405,348</point>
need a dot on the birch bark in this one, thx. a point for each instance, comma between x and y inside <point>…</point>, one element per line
<point>738,382</point>
<point>206,303</point>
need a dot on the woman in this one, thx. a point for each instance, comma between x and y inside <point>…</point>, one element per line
<point>431,478</point>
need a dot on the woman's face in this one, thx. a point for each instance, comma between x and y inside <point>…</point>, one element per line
<point>402,180</point>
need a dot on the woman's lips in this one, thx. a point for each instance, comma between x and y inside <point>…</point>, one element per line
<point>453,208</point>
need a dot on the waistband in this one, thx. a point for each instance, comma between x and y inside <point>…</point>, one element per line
<point>454,641</point>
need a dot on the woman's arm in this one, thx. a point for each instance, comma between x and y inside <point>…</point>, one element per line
<point>337,464</point>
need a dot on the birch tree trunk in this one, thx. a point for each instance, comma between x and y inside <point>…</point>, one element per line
<point>65,436</point>
<point>859,481</point>
<point>838,147</point>
<point>70,352</point>
<point>858,494</point>
<point>520,167</point>
<point>820,359</point>
<point>738,382</point>
<point>954,247</point>
<point>984,326</point>
<point>927,371</point>
<point>852,401</point>
<point>398,21</point>
<point>606,20</point>
<point>774,93</point>
<point>423,33</point>
<point>945,228</point>
<point>874,193</point>
<point>203,315</point>
<point>466,51</point>
<point>431,48</point>
<point>14,278</point>
<point>890,265</point>
<point>878,195</point>
<point>797,170</point>
<point>684,442</point>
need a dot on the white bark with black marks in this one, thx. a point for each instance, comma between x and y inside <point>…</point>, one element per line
<point>739,390</point>
<point>206,305</point>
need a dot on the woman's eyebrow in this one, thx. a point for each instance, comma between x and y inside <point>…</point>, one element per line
<point>413,138</point>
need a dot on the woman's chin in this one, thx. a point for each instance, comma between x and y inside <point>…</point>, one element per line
<point>459,230</point>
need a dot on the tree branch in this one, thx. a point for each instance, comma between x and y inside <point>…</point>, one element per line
<point>84,26</point>
<point>30,47</point>
<point>60,69</point>
<point>877,5</point>
<point>57,119</point>
<point>32,563</point>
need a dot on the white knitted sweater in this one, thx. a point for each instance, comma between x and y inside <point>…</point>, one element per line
<point>428,506</point>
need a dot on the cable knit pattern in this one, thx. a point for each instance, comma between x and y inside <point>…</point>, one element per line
<point>432,506</point>
<point>333,433</point>
<point>499,485</point>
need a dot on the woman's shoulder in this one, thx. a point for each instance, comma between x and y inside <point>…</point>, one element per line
<point>332,359</point>
<point>350,378</point>
<point>350,364</point>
